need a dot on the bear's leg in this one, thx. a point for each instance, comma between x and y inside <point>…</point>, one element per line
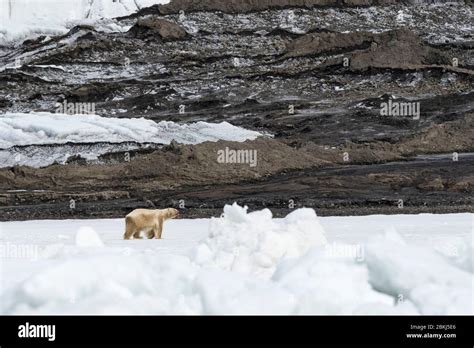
<point>159,229</point>
<point>150,234</point>
<point>128,233</point>
<point>156,233</point>
<point>129,229</point>
<point>136,235</point>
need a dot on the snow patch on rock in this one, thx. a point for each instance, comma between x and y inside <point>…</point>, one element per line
<point>48,128</point>
<point>22,19</point>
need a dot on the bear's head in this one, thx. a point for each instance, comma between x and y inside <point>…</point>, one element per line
<point>171,213</point>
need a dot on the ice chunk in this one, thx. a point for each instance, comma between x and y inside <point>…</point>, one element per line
<point>253,243</point>
<point>420,275</point>
<point>87,237</point>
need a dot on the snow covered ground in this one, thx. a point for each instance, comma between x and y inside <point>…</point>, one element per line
<point>242,263</point>
<point>21,19</point>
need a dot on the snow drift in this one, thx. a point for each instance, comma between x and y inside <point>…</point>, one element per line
<point>48,128</point>
<point>248,263</point>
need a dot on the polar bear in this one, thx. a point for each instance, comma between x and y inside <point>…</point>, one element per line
<point>149,220</point>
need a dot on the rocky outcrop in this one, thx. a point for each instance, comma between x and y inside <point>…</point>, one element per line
<point>318,43</point>
<point>395,49</point>
<point>154,27</point>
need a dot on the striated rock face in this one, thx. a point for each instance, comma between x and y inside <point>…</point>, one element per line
<point>312,74</point>
<point>154,26</point>
<point>244,6</point>
<point>247,6</point>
